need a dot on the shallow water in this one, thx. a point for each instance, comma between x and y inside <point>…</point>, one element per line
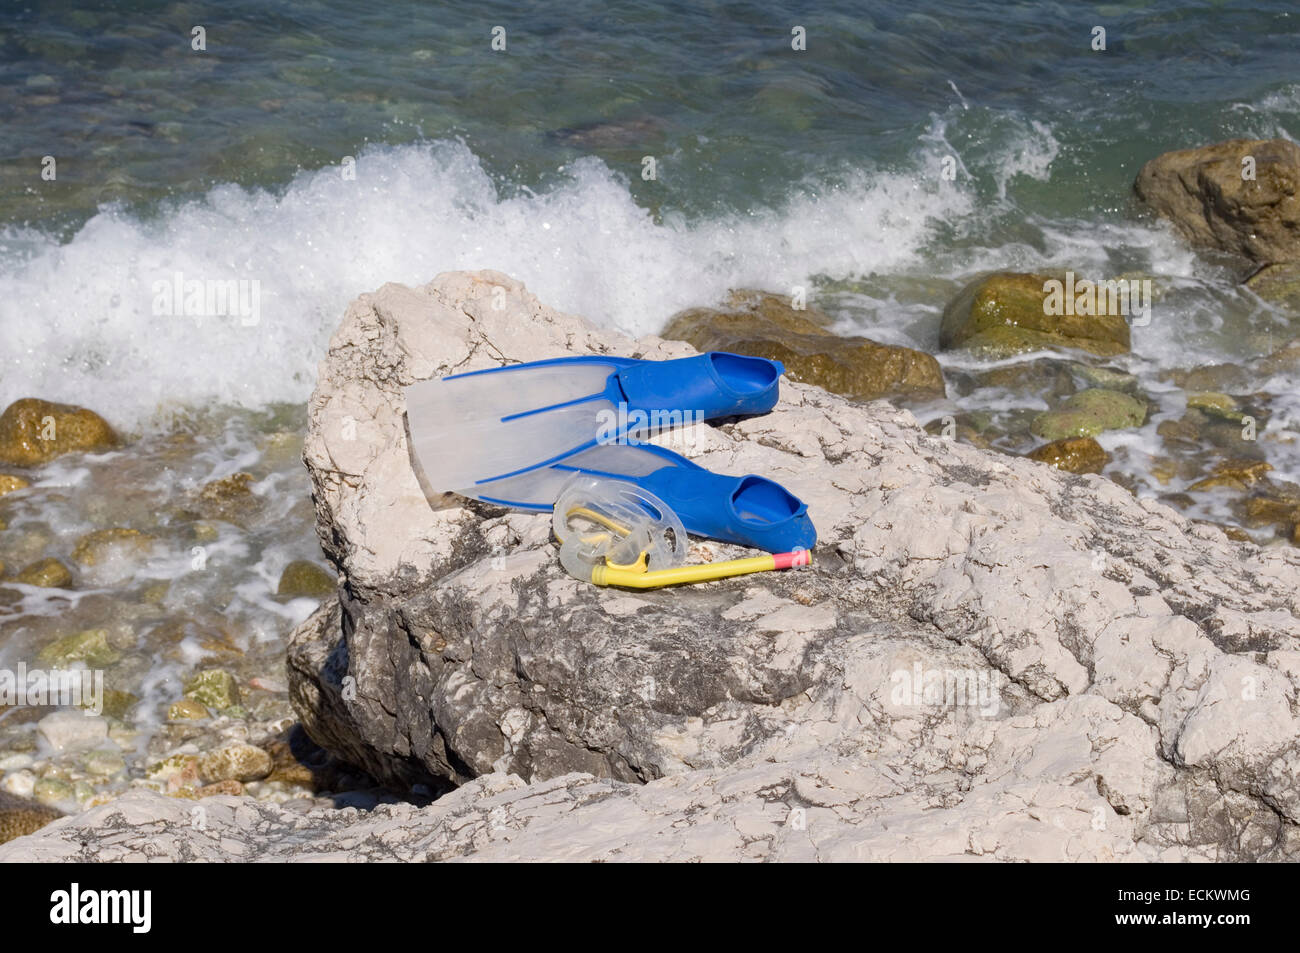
<point>196,590</point>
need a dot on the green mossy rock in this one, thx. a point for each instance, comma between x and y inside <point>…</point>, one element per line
<point>762,324</point>
<point>1278,284</point>
<point>33,432</point>
<point>48,574</point>
<point>99,545</point>
<point>51,791</point>
<point>1107,378</point>
<point>1004,314</point>
<point>178,770</point>
<point>1073,454</point>
<point>216,688</point>
<point>1089,413</point>
<point>1214,404</point>
<point>230,500</point>
<point>116,704</point>
<point>104,762</point>
<point>90,647</point>
<point>187,709</point>
<point>303,578</point>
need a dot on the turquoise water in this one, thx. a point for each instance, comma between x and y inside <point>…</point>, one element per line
<point>735,117</point>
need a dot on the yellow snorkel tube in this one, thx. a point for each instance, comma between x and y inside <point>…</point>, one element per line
<point>639,577</point>
<point>613,533</point>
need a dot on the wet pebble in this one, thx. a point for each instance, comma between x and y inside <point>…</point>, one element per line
<point>73,730</point>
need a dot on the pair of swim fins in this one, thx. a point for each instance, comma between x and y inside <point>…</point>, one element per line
<point>515,435</point>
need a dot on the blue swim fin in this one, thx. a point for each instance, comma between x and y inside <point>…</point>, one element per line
<point>473,428</point>
<point>746,510</point>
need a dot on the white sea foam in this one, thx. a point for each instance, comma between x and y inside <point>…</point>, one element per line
<point>78,320</point>
<point>1031,155</point>
<point>1274,115</point>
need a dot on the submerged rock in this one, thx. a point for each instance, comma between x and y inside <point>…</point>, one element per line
<point>216,688</point>
<point>104,762</point>
<point>636,133</point>
<point>187,709</point>
<point>230,499</point>
<point>103,545</point>
<point>9,483</point>
<point>110,557</point>
<point>1190,434</point>
<point>47,573</point>
<point>766,325</point>
<point>229,787</point>
<point>178,774</point>
<point>239,762</point>
<point>1214,404</point>
<point>91,646</point>
<point>33,432</point>
<point>1206,193</point>
<point>976,429</point>
<point>117,703</point>
<point>1089,413</point>
<point>1238,378</point>
<point>1285,360</point>
<point>53,792</point>
<point>1041,377</point>
<point>303,578</point>
<point>1278,284</point>
<point>1109,378</point>
<point>20,816</point>
<point>1274,504</point>
<point>1210,377</point>
<point>1235,473</point>
<point>302,767</point>
<point>1073,454</point>
<point>1007,313</point>
<point>69,730</point>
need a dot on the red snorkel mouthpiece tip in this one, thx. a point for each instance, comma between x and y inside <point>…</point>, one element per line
<point>800,557</point>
